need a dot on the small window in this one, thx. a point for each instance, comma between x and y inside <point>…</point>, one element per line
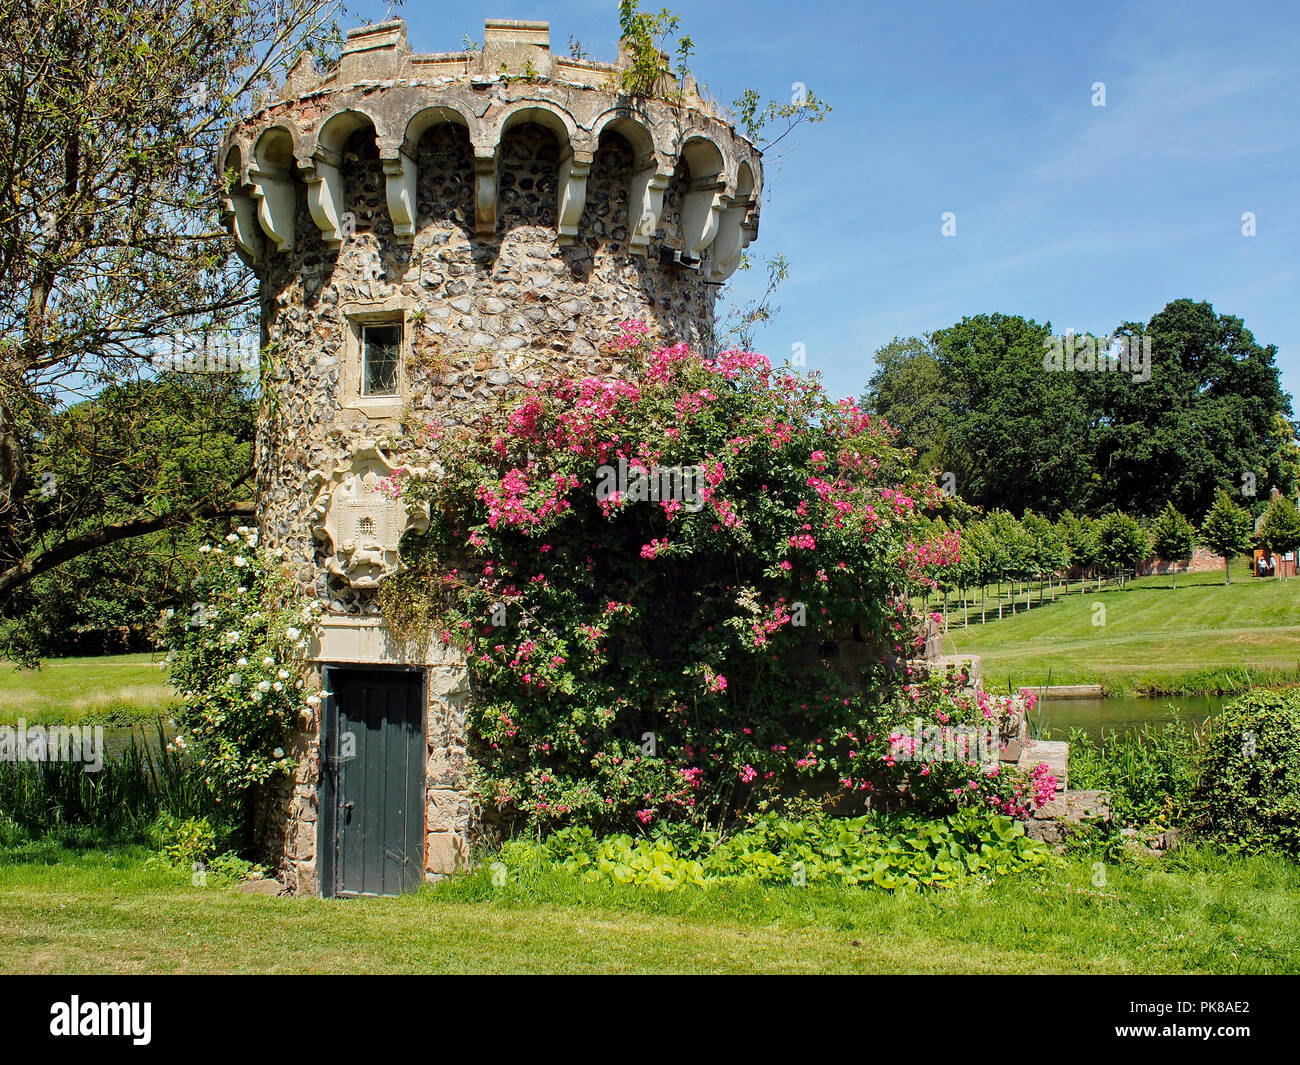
<point>381,356</point>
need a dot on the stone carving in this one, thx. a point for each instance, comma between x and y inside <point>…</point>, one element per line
<point>358,519</point>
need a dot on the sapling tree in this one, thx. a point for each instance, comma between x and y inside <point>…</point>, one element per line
<point>1173,538</point>
<point>1280,532</point>
<point>1227,530</point>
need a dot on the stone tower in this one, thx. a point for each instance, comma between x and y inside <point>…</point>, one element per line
<point>428,230</point>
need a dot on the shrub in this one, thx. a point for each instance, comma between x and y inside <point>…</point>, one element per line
<point>893,854</point>
<point>238,660</point>
<point>1150,774</point>
<point>638,658</point>
<point>1248,791</point>
<point>941,742</point>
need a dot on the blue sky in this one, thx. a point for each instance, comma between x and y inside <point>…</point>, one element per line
<point>1079,215</point>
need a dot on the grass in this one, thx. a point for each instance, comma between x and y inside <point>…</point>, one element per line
<point>1201,637</point>
<point>64,911</point>
<point>118,689</point>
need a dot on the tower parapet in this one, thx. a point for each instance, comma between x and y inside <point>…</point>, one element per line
<point>300,138</point>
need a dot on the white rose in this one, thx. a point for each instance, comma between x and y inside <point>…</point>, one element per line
<point>204,549</point>
<point>292,633</point>
<point>313,701</point>
<point>232,539</point>
<point>233,636</point>
<point>240,561</point>
<point>278,752</point>
<point>283,674</point>
<point>235,679</point>
<point>264,686</point>
<point>277,686</point>
<point>241,663</point>
<point>268,661</point>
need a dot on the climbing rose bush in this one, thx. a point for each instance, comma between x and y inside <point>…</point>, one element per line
<point>942,742</point>
<point>641,659</point>
<point>238,662</point>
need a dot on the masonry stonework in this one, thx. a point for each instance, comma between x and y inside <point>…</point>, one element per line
<point>504,209</point>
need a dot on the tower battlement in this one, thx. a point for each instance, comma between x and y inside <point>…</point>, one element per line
<point>298,141</point>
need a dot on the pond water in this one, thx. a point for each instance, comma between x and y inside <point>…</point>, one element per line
<point>117,738</point>
<point>1120,713</point>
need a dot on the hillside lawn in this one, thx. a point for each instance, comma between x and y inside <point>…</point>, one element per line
<point>1203,636</point>
<point>106,911</point>
<point>112,688</point>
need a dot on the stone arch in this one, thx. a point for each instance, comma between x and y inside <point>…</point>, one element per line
<point>606,217</point>
<point>327,191</point>
<point>363,183</point>
<point>734,228</point>
<point>650,176</point>
<point>703,201</point>
<point>238,207</point>
<point>272,184</point>
<point>530,157</point>
<point>574,162</point>
<point>444,189</point>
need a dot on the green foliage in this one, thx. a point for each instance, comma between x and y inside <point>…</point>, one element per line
<point>1150,774</point>
<point>1173,537</point>
<point>1227,530</point>
<point>1280,532</point>
<point>975,399</point>
<point>119,801</point>
<point>871,852</point>
<point>176,444</point>
<point>644,36</point>
<point>1248,793</point>
<point>238,660</point>
<point>1121,542</point>
<point>114,249</point>
<point>183,843</point>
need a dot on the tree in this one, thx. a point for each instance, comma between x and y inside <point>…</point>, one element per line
<point>1012,551</point>
<point>1280,532</point>
<point>1173,537</point>
<point>1206,416</point>
<point>1018,432</point>
<point>1048,552</point>
<point>199,432</point>
<point>1193,405</point>
<point>1080,536</point>
<point>1121,542</point>
<point>1227,530</point>
<point>110,240</point>
<point>909,390</point>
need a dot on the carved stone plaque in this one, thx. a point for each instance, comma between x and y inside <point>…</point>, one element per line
<point>358,519</point>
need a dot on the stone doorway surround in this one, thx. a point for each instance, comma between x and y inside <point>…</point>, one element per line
<point>366,641</point>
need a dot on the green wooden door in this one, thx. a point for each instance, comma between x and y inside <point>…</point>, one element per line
<point>373,782</point>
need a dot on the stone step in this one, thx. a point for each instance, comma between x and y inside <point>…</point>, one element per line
<point>1056,753</point>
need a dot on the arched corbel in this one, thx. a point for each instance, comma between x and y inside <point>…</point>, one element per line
<point>730,240</point>
<point>400,187</point>
<point>325,194</point>
<point>574,169</point>
<point>485,190</point>
<point>276,202</point>
<point>701,214</point>
<point>240,215</point>
<point>645,203</point>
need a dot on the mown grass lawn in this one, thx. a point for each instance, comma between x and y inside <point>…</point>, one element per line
<point>69,690</point>
<point>64,911</point>
<point>1201,636</point>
